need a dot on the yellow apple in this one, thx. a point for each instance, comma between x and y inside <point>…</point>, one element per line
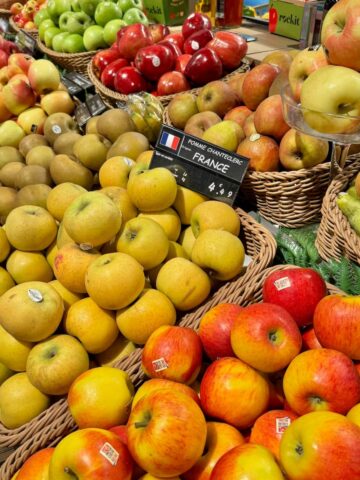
<point>40,155</point>
<point>57,101</point>
<point>13,352</point>
<point>119,349</point>
<point>115,172</point>
<point>145,240</point>
<point>220,252</point>
<point>30,228</point>
<point>145,158</point>
<point>20,401</point>
<point>186,284</point>
<point>91,150</point>
<point>122,200</point>
<point>168,219</point>
<point>31,311</point>
<point>4,245</point>
<point>215,215</point>
<point>175,250</point>
<point>32,120</point>
<point>95,327</point>
<point>61,197</point>
<point>151,310</point>
<point>5,373</point>
<point>54,364</point>
<point>8,198</point>
<point>92,218</point>
<point>101,398</point>
<point>185,202</point>
<point>63,238</point>
<point>6,281</point>
<point>148,476</point>
<point>354,414</point>
<point>50,253</point>
<point>28,266</point>
<point>69,298</point>
<point>71,263</point>
<point>114,280</point>
<point>152,190</point>
<point>187,240</point>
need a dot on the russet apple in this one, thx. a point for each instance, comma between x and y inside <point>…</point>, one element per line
<point>269,118</point>
<point>40,155</point>
<point>43,76</point>
<point>36,467</point>
<point>101,398</point>
<point>257,83</point>
<point>28,266</point>
<point>199,122</point>
<point>115,172</point>
<point>216,97</point>
<point>159,423</point>
<point>298,150</point>
<point>91,150</point>
<point>172,353</point>
<point>61,197</point>
<point>162,384</point>
<point>13,353</point>
<point>214,215</point>
<point>321,379</point>
<point>262,151</point>
<point>150,311</point>
<point>233,392</point>
<point>65,169</point>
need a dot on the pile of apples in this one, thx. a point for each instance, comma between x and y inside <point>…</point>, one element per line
<point>253,394</point>
<point>23,14</point>
<point>74,26</point>
<point>155,60</point>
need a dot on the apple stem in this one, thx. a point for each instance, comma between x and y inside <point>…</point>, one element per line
<point>68,471</point>
<point>141,424</point>
<point>299,449</point>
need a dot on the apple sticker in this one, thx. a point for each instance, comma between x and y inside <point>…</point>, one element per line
<point>273,19</point>
<point>195,45</point>
<point>35,295</point>
<point>156,61</point>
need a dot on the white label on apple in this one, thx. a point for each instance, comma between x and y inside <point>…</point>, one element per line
<point>282,283</point>
<point>35,295</point>
<point>128,162</point>
<point>86,247</point>
<point>156,61</point>
<point>282,424</point>
<point>160,364</point>
<point>109,452</point>
<point>254,137</point>
<point>56,129</point>
<point>195,45</point>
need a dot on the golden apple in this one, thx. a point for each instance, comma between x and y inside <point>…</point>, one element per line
<point>122,200</point>
<point>6,281</point>
<point>13,352</point>
<point>32,120</point>
<point>187,240</point>
<point>115,172</point>
<point>185,202</point>
<point>50,253</point>
<point>119,349</point>
<point>57,101</point>
<point>7,202</point>
<point>354,414</point>
<point>168,219</point>
<point>5,373</point>
<point>215,215</point>
<point>69,298</point>
<point>63,238</point>
<point>28,267</point>
<point>176,250</point>
<point>61,197</point>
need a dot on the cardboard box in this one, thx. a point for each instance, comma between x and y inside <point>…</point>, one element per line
<point>292,18</point>
<point>169,12</point>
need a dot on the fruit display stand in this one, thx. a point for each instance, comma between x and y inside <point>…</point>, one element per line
<point>33,33</point>
<point>335,236</point>
<point>111,97</point>
<point>248,293</point>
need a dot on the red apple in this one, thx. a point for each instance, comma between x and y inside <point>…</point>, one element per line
<point>197,40</point>
<point>172,82</point>
<point>310,340</point>
<point>336,324</point>
<point>257,84</point>
<point>154,61</point>
<point>220,439</point>
<point>21,60</point>
<point>233,392</point>
<point>269,118</point>
<point>238,114</point>
<point>121,432</point>
<point>109,73</point>
<point>321,379</point>
<point>3,59</point>
<point>236,83</point>
<point>129,80</point>
<point>265,336</point>
<point>16,8</point>
<point>173,47</point>
<point>18,94</point>
<point>166,433</point>
<point>298,290</point>
<point>320,446</point>
<point>173,353</point>
<point>181,62</point>
<point>195,22</point>
<point>204,66</point>
<point>230,48</point>
<point>104,58</point>
<point>90,454</point>
<point>158,31</point>
<point>269,428</point>
<point>131,39</point>
<point>214,330</point>
<point>162,384</point>
<point>36,467</point>
<point>262,151</point>
<point>176,38</point>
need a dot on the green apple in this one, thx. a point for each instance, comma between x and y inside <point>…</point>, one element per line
<point>50,34</point>
<point>127,4</point>
<point>134,15</point>
<point>94,38</point>
<point>45,24</point>
<point>40,16</point>
<point>107,11</point>
<point>74,43</point>
<point>75,6</point>
<point>111,29</point>
<point>56,7</point>
<point>58,41</point>
<point>64,19</point>
<point>77,22</point>
<point>89,6</point>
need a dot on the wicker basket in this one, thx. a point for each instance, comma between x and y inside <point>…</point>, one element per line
<point>336,237</point>
<point>112,97</point>
<point>4,13</point>
<point>34,33</point>
<point>247,294</point>
<point>77,62</point>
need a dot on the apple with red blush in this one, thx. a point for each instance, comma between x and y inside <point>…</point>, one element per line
<point>194,22</point>
<point>158,31</point>
<point>172,82</point>
<point>104,58</point>
<point>131,39</point>
<point>197,40</point>
<point>204,67</point>
<point>181,62</point>
<point>173,47</point>
<point>176,38</point>
<point>154,61</point>
<point>238,114</point>
<point>230,47</point>
<point>109,73</point>
<point>309,339</point>
<point>129,80</point>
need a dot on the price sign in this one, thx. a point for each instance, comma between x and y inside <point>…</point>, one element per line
<point>120,104</point>
<point>72,88</point>
<point>200,166</point>
<point>79,79</point>
<point>82,114</point>
<point>26,42</point>
<point>4,25</point>
<point>95,105</point>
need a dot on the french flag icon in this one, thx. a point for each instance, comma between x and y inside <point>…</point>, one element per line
<point>169,140</point>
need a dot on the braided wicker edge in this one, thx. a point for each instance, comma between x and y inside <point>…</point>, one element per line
<point>4,12</point>
<point>71,61</point>
<point>34,33</point>
<point>249,292</point>
<point>335,235</point>
<point>113,97</point>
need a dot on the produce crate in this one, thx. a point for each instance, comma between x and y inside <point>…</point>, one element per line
<point>34,33</point>
<point>111,97</point>
<point>336,237</point>
<point>77,62</point>
<point>248,293</point>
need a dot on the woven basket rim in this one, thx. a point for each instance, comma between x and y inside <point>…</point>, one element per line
<point>13,25</point>
<point>60,55</point>
<point>132,364</point>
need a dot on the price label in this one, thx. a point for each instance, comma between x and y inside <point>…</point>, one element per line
<point>120,104</point>
<point>79,79</point>
<point>26,42</point>
<point>4,25</point>
<point>72,88</point>
<point>82,114</point>
<point>95,105</point>
<point>200,166</point>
